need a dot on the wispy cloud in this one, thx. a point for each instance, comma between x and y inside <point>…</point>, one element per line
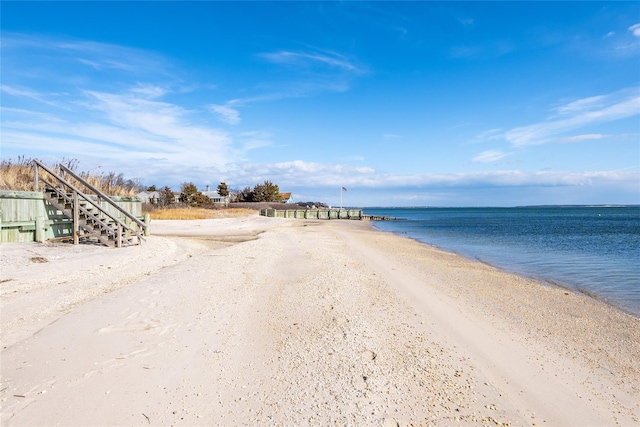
<point>489,156</point>
<point>622,43</point>
<point>307,72</point>
<point>149,90</point>
<point>310,59</point>
<point>166,123</point>
<point>255,139</point>
<point>109,106</point>
<point>582,105</point>
<point>226,113</point>
<point>490,135</point>
<point>27,93</point>
<point>94,55</point>
<point>491,50</point>
<point>121,126</point>
<point>43,117</point>
<point>401,30</point>
<point>585,137</point>
<point>576,115</point>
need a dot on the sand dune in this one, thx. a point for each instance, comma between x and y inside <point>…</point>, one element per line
<point>264,321</point>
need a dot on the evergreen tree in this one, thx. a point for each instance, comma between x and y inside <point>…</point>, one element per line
<point>167,198</point>
<point>223,190</point>
<point>245,195</point>
<point>189,195</point>
<point>266,192</point>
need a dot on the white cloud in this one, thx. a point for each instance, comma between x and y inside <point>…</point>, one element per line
<point>95,55</point>
<point>312,59</point>
<point>108,109</point>
<point>577,115</point>
<point>489,156</point>
<point>300,173</point>
<point>581,105</point>
<point>20,112</point>
<point>490,135</point>
<point>635,30</point>
<point>292,88</point>
<point>226,114</point>
<point>149,90</point>
<point>307,73</point>
<point>254,140</point>
<point>118,127</point>
<point>585,137</point>
<point>102,56</point>
<point>27,93</point>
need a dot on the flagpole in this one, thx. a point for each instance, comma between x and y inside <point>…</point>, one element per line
<point>341,190</point>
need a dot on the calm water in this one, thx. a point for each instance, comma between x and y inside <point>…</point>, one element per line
<point>592,249</point>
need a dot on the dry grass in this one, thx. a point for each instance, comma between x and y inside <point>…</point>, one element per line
<point>18,176</point>
<point>112,184</point>
<point>200,213</point>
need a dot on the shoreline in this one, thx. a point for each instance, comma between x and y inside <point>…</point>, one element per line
<point>575,288</point>
<point>272,321</point>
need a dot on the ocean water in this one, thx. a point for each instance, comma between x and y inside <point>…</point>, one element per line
<point>590,249</point>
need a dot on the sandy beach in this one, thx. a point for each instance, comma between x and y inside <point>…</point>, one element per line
<point>267,321</point>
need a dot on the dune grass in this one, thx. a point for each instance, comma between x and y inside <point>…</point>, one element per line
<point>200,213</point>
<point>18,176</point>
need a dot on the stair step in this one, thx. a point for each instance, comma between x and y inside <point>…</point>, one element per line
<point>93,222</point>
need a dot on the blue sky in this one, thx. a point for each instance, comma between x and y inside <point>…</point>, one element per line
<point>402,103</point>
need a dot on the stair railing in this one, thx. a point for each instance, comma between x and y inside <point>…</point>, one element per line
<point>106,198</point>
<point>80,194</point>
<point>74,200</point>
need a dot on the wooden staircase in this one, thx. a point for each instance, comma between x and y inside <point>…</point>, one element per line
<point>91,221</point>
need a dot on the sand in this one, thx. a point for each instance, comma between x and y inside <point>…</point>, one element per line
<point>270,321</point>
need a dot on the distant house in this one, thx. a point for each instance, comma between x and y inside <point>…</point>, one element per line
<point>287,198</point>
<point>149,196</point>
<point>214,196</point>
